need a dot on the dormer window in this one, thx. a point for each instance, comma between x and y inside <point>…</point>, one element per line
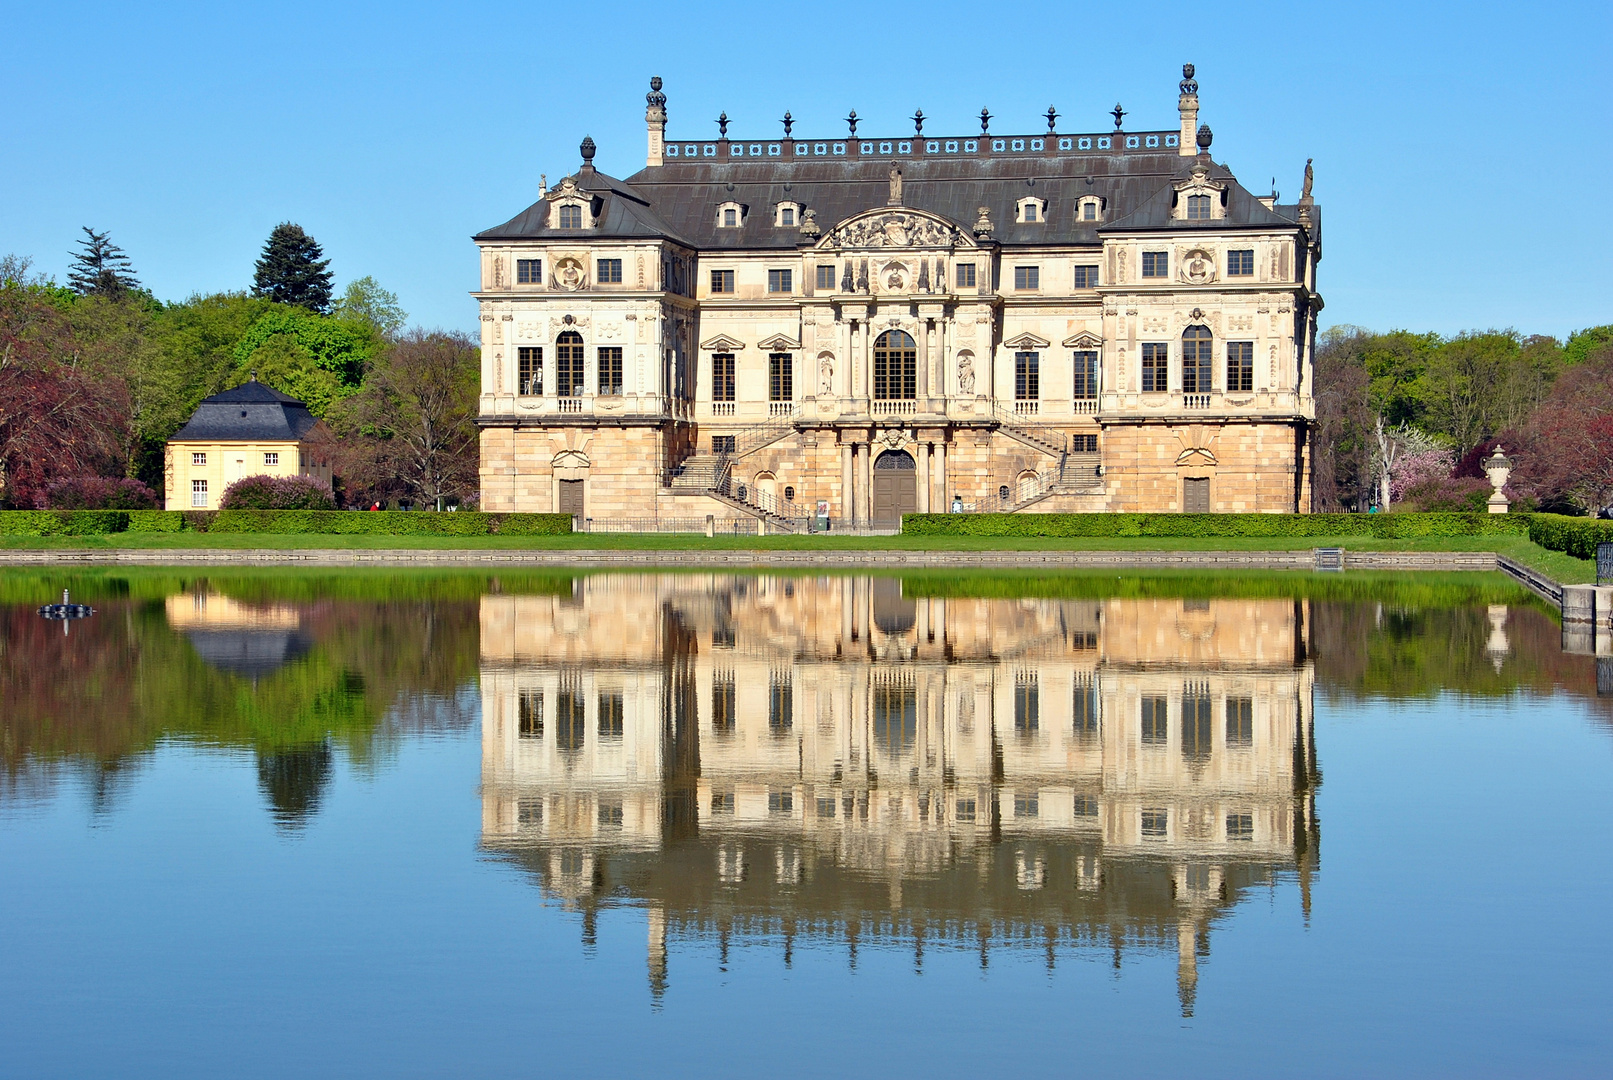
<point>1200,197</point>
<point>1089,208</point>
<point>570,216</point>
<point>1032,211</point>
<point>789,215</point>
<point>730,215</point>
<point>1198,208</point>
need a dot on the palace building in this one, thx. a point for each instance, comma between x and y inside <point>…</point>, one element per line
<point>861,327</point>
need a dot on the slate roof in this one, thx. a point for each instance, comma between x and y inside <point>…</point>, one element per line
<point>251,412</point>
<point>678,200</point>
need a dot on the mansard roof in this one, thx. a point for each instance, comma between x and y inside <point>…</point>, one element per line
<point>678,200</point>
<point>251,412</point>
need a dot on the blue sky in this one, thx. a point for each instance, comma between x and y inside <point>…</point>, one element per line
<point>1462,151</point>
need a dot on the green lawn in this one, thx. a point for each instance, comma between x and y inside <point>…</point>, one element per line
<point>1554,564</point>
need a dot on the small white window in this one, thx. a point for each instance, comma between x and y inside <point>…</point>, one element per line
<point>1032,210</point>
<point>270,458</point>
<point>786,214</point>
<point>730,215</point>
<point>1089,209</point>
<point>198,493</point>
<point>198,459</point>
<point>730,218</point>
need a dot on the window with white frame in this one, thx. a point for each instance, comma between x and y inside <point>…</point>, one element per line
<point>198,459</point>
<point>730,215</point>
<point>1032,211</point>
<point>198,493</point>
<point>271,458</point>
<point>789,215</point>
<point>1089,208</point>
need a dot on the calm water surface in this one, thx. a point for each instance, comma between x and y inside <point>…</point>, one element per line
<point>708,825</point>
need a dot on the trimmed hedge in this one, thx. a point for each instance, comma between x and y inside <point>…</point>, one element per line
<point>1575,536</point>
<point>63,522</point>
<point>389,523</point>
<point>1379,526</point>
<point>327,522</point>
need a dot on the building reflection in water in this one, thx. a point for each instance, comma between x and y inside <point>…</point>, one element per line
<point>766,759</point>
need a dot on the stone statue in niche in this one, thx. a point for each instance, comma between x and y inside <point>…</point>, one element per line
<point>924,276</point>
<point>847,282</point>
<point>826,377</point>
<point>862,276</point>
<point>896,185</point>
<point>966,375</point>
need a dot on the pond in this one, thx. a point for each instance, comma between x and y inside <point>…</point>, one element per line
<point>699,824</point>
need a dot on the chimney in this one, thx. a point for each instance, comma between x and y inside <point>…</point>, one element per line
<point>655,118</point>
<point>1188,106</point>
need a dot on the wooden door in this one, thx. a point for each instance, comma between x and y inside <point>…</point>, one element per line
<point>896,488</point>
<point>571,501</point>
<point>1196,496</point>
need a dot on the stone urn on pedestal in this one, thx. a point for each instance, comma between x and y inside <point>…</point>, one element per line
<point>1498,467</point>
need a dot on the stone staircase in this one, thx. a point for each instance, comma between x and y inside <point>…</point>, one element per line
<point>711,474</point>
<point>1076,474</point>
<point>1048,442</point>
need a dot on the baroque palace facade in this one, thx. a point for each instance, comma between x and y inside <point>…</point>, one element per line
<point>861,327</point>
<point>767,759</point>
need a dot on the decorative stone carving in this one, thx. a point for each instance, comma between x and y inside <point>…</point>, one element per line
<point>498,272</point>
<point>966,374</point>
<point>893,229</point>
<point>896,185</point>
<point>809,224</point>
<point>895,438</point>
<point>567,322</point>
<point>1196,267</point>
<point>983,224</point>
<point>826,376</point>
<point>609,331</point>
<point>569,274</point>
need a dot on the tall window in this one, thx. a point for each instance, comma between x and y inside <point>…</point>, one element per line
<point>786,215</point>
<point>826,278</point>
<point>1031,212</point>
<point>610,369</point>
<point>570,715</point>
<point>1089,211</point>
<point>571,217</point>
<point>779,281</point>
<point>780,704</point>
<point>611,715</point>
<point>723,697</point>
<point>531,370</point>
<point>1196,723</point>
<point>1027,277</point>
<point>966,275</point>
<point>1196,360</point>
<point>1155,379</point>
<point>610,272</point>
<point>1027,376</point>
<point>198,493</point>
<point>1086,375</point>
<point>1156,264</point>
<point>568,364</point>
<point>1154,731</point>
<point>780,377</point>
<point>1084,712</point>
<point>1027,704</point>
<point>895,714</point>
<point>730,218</point>
<point>895,366</point>
<point>722,376</point>
<point>530,706</point>
<point>1198,208</point>
<point>1086,277</point>
<point>1240,722</point>
<point>722,281</point>
<point>1241,263</point>
<point>1240,365</point>
<point>529,271</point>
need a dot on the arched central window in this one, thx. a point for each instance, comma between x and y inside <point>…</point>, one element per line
<point>896,360</point>
<point>1196,360</point>
<point>568,364</point>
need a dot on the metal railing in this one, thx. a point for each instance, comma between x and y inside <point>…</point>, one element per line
<point>1051,442</point>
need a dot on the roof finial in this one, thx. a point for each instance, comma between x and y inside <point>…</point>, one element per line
<point>1118,113</point>
<point>852,120</point>
<point>1189,86</point>
<point>1052,117</point>
<point>985,121</point>
<point>254,376</point>
<point>722,126</point>
<point>787,123</point>
<point>587,149</point>
<point>918,121</point>
<point>1204,138</point>
<point>655,98</point>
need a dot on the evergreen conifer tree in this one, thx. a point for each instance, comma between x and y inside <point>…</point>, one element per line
<point>292,270</point>
<point>101,268</point>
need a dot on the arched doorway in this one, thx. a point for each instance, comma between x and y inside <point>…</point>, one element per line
<point>896,488</point>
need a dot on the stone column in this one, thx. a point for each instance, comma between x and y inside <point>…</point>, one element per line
<point>924,359</point>
<point>924,477</point>
<point>941,474</point>
<point>866,496</point>
<point>847,495</point>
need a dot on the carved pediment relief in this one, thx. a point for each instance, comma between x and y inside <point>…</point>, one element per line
<point>722,343</point>
<point>896,229</point>
<point>1198,444</point>
<point>570,459</point>
<point>778,342</point>
<point>1199,182</point>
<point>1026,341</point>
<point>1086,339</point>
